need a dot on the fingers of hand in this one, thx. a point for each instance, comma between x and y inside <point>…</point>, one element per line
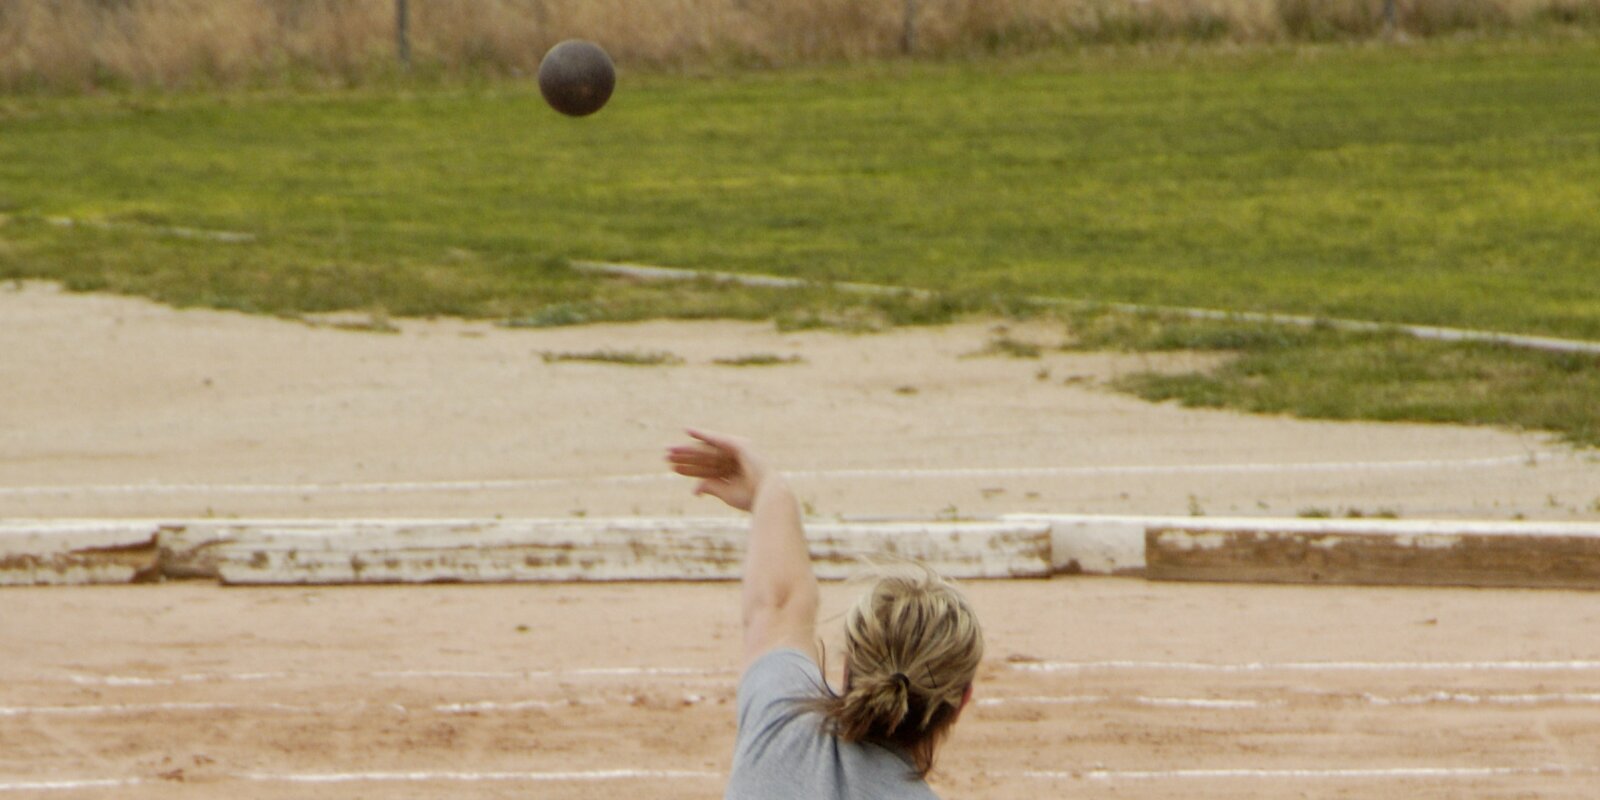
<point>699,472</point>
<point>723,442</point>
<point>696,452</point>
<point>701,461</point>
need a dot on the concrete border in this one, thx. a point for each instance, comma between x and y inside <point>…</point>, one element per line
<point>1245,549</point>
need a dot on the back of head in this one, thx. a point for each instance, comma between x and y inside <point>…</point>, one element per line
<point>912,648</point>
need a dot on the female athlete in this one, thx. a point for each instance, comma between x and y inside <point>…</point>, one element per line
<point>912,647</point>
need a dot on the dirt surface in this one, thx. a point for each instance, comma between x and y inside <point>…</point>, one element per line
<point>1090,688</point>
<point>120,407</point>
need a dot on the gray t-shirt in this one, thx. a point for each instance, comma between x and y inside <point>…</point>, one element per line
<point>782,753</point>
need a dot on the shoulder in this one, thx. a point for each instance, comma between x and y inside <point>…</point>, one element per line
<point>780,674</point>
<point>774,689</point>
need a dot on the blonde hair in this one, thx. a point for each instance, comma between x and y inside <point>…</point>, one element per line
<point>912,647</point>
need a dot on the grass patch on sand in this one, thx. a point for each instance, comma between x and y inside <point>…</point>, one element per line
<point>1321,373</point>
<point>758,360</point>
<point>627,358</point>
<point>1002,343</point>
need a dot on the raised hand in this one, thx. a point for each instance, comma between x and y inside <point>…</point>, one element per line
<point>726,466</point>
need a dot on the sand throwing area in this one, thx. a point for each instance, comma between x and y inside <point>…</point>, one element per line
<point>1091,687</point>
<point>121,407</point>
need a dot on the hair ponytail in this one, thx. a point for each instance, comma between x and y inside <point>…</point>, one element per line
<point>912,648</point>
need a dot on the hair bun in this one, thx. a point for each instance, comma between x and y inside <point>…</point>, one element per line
<point>901,679</point>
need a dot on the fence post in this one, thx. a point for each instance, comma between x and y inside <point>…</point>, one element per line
<point>908,28</point>
<point>1390,21</point>
<point>402,37</point>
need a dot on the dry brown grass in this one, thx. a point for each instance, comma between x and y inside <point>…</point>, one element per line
<point>83,43</point>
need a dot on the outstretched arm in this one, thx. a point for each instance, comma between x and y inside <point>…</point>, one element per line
<point>779,587</point>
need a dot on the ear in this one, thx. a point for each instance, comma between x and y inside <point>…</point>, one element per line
<point>966,698</point>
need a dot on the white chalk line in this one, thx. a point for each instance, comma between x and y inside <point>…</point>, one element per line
<point>575,776</point>
<point>578,672</point>
<point>1373,773</point>
<point>67,784</point>
<point>1461,698</point>
<point>1436,698</point>
<point>403,487</point>
<point>152,708</point>
<point>567,776</point>
<point>1156,702</point>
<point>135,680</point>
<point>469,777</point>
<point>1246,704</point>
<point>470,707</point>
<point>1310,666</point>
<point>723,673</point>
<point>489,675</point>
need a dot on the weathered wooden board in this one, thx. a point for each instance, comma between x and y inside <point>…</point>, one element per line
<point>1431,553</point>
<point>600,550</point>
<point>77,552</point>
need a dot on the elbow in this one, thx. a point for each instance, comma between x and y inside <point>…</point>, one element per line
<point>794,602</point>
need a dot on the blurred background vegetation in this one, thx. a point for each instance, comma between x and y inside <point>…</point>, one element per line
<point>84,44</point>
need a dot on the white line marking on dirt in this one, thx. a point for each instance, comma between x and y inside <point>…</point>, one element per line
<point>1201,702</point>
<point>494,706</point>
<point>631,671</point>
<point>1219,704</point>
<point>467,674</point>
<point>130,680</point>
<point>402,487</point>
<point>568,776</point>
<point>1311,666</point>
<point>1062,700</point>
<point>516,705</point>
<point>58,785</point>
<point>1156,702</point>
<point>579,672</point>
<point>146,708</point>
<point>1176,469</point>
<point>1369,773</point>
<point>718,674</point>
<point>1458,698</point>
<point>496,675</point>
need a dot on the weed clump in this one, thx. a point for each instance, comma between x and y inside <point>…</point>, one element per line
<point>630,358</point>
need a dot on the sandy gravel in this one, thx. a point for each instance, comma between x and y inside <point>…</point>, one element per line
<point>120,407</point>
<point>1090,689</point>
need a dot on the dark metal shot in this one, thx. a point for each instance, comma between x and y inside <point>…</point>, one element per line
<point>576,77</point>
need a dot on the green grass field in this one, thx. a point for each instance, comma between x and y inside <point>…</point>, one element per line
<point>1448,182</point>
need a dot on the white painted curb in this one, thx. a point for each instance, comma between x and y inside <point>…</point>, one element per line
<point>1371,551</point>
<point>488,550</point>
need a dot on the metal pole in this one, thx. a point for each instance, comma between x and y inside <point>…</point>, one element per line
<point>908,29</point>
<point>1390,24</point>
<point>402,38</point>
